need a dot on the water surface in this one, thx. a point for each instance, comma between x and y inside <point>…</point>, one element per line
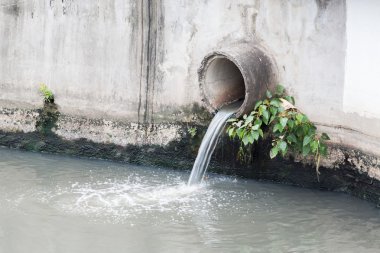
<point>59,204</point>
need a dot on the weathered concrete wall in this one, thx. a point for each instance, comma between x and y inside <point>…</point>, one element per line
<point>137,60</point>
<point>361,91</point>
<point>125,72</point>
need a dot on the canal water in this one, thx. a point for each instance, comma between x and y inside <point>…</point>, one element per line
<point>59,204</point>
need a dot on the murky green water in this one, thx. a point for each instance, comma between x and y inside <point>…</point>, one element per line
<point>59,204</point>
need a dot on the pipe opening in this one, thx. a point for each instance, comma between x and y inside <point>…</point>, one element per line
<point>223,82</point>
<point>241,72</point>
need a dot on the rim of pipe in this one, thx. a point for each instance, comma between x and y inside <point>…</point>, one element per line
<point>257,69</point>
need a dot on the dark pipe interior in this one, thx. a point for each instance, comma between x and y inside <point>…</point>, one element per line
<point>223,83</point>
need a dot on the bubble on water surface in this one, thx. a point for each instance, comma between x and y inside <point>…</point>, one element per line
<point>120,201</point>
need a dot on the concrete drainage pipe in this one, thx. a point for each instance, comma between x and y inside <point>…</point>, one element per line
<point>242,72</point>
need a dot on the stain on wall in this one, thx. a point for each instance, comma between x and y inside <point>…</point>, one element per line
<point>151,55</point>
<point>137,60</point>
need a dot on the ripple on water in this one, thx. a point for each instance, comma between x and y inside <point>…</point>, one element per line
<point>126,200</point>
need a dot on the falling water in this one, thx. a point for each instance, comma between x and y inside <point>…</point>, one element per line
<point>209,142</point>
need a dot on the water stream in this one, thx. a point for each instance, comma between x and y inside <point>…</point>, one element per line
<point>209,142</point>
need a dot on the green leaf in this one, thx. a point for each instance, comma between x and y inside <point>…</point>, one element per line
<point>231,132</point>
<point>273,152</point>
<point>305,150</point>
<point>311,129</point>
<point>323,149</point>
<point>283,122</point>
<point>258,103</point>
<point>266,117</point>
<point>278,127</point>
<point>47,94</point>
<point>258,122</point>
<point>282,146</point>
<point>255,135</point>
<point>292,138</point>
<point>273,110</point>
<point>290,99</point>
<point>290,124</point>
<point>261,133</point>
<point>239,123</point>
<point>255,127</point>
<point>280,90</point>
<point>269,94</point>
<point>251,138</point>
<point>299,132</point>
<point>240,133</point>
<point>299,117</point>
<point>232,120</point>
<point>305,129</point>
<point>262,109</point>
<point>249,119</point>
<point>314,146</point>
<point>245,140</point>
<point>325,137</point>
<point>275,102</point>
<point>272,119</point>
<point>306,140</point>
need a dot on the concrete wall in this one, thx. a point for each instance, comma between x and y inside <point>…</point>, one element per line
<point>136,61</point>
<point>362,79</point>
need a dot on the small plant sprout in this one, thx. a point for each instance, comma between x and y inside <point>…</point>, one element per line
<point>288,128</point>
<point>192,131</point>
<point>46,93</point>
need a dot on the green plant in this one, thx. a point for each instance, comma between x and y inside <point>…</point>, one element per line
<point>46,93</point>
<point>288,128</point>
<point>192,131</point>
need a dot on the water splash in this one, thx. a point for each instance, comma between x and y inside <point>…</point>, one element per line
<point>131,201</point>
<point>209,142</point>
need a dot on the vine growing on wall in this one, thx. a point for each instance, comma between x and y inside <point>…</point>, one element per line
<point>277,118</point>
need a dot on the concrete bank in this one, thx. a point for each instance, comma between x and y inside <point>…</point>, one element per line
<point>170,145</point>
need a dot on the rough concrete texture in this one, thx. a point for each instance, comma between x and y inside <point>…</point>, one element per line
<point>128,66</point>
<point>117,132</point>
<point>19,120</point>
<point>97,130</point>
